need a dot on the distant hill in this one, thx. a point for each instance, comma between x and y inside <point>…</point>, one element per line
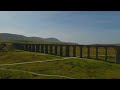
<point>7,37</point>
<point>52,40</point>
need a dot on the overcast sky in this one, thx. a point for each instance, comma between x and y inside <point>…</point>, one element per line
<point>83,27</point>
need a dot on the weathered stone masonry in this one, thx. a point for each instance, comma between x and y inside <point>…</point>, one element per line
<point>43,48</point>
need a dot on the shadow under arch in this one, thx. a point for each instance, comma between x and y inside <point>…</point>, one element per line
<point>58,50</point>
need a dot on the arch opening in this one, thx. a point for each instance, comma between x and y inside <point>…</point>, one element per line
<point>111,54</point>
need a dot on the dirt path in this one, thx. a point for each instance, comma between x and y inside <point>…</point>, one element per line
<point>37,73</point>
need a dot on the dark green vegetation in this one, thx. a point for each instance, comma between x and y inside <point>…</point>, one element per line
<point>4,47</point>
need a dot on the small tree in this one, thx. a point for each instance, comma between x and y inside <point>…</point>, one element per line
<point>2,46</point>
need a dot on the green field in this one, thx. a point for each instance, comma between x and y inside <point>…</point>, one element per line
<point>25,65</point>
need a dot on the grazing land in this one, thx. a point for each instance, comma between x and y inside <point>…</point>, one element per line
<point>18,64</point>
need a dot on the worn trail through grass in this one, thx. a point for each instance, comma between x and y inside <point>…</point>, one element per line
<point>43,61</point>
<point>39,62</point>
<point>36,61</point>
<point>34,72</point>
<point>32,65</point>
<point>37,73</point>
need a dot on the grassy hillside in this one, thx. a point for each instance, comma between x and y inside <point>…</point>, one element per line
<point>18,64</point>
<point>7,37</point>
<point>15,38</point>
<point>73,67</point>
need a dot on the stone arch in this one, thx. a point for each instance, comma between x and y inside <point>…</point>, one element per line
<point>101,53</point>
<point>58,50</point>
<point>71,51</point>
<point>77,51</point>
<point>74,50</point>
<point>37,47</point>
<point>92,52</point>
<point>53,49</point>
<point>42,48</point>
<point>67,50</point>
<point>63,51</point>
<point>81,50</point>
<point>33,47</point>
<point>49,49</point>
<point>46,48</point>
<point>29,47</point>
<point>111,54</point>
<point>56,46</point>
<point>84,51</point>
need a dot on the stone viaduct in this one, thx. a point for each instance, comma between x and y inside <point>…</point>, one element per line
<point>43,48</point>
